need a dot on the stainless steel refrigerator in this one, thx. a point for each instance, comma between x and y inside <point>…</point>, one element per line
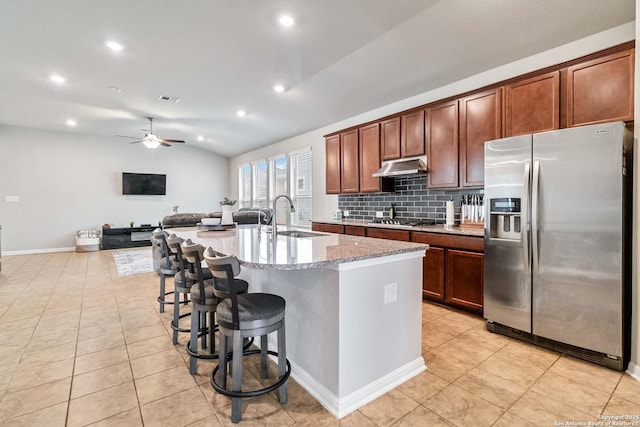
<point>557,240</point>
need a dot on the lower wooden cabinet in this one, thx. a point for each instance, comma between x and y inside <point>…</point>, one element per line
<point>453,271</point>
<point>433,274</point>
<point>464,279</point>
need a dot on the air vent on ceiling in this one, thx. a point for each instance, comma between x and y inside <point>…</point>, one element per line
<point>173,99</point>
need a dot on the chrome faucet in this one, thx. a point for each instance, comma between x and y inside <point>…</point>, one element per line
<point>274,222</point>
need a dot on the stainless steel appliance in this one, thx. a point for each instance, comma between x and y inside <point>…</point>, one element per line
<point>557,240</point>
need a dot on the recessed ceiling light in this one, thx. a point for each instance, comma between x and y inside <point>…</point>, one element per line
<point>114,45</point>
<point>57,79</point>
<point>71,123</point>
<point>286,20</point>
<point>241,113</point>
<point>278,88</point>
<point>200,138</point>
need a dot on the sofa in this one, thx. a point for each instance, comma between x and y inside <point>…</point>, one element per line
<point>242,216</point>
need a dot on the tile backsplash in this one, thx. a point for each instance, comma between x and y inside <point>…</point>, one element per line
<point>412,200</point>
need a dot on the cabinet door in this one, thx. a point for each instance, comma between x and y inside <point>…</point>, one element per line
<point>442,145</point>
<point>464,279</point>
<point>390,138</point>
<point>601,90</point>
<point>533,105</point>
<point>412,142</point>
<point>433,274</point>
<point>369,158</point>
<point>350,168</point>
<point>480,121</point>
<point>332,151</point>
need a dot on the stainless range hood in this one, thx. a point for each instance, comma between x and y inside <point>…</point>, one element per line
<point>402,167</point>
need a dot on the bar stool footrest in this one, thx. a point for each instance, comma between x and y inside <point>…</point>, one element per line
<point>251,393</point>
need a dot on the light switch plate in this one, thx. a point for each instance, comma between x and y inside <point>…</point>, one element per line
<point>346,213</point>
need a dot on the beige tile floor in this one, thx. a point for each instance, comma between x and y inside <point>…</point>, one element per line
<point>83,346</point>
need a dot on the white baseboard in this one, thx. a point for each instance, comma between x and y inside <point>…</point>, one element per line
<point>634,370</point>
<point>38,251</point>
<point>341,407</point>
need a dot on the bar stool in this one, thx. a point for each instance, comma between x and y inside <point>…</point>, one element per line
<point>240,317</point>
<point>166,267</point>
<point>203,304</point>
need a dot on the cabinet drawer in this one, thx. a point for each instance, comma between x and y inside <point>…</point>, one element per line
<point>355,230</point>
<point>388,234</point>
<point>449,241</point>
<point>328,228</point>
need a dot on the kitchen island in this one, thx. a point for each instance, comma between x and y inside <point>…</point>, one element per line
<point>354,306</point>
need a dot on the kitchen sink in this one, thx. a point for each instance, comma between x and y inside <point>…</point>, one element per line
<point>298,233</point>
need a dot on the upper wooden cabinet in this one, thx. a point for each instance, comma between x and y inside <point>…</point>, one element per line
<point>332,150</point>
<point>390,138</point>
<point>601,90</point>
<point>532,105</point>
<point>349,162</point>
<point>442,145</point>
<point>369,157</point>
<point>412,141</point>
<point>480,121</point>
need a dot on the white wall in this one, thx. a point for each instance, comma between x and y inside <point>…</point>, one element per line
<point>324,205</point>
<point>67,182</point>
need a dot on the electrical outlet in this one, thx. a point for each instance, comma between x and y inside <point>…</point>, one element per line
<point>390,293</point>
<point>379,214</point>
<point>346,213</point>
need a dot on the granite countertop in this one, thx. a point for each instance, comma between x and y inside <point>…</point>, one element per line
<point>258,250</point>
<point>437,228</point>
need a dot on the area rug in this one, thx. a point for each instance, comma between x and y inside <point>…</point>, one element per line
<point>133,262</point>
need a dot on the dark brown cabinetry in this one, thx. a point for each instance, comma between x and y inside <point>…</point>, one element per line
<point>332,150</point>
<point>601,90</point>
<point>349,162</point>
<point>327,228</point>
<point>412,141</point>
<point>369,157</point>
<point>390,138</point>
<point>442,145</point>
<point>532,105</point>
<point>433,274</point>
<point>382,233</point>
<point>453,270</point>
<point>464,279</point>
<point>480,121</point>
<point>355,230</point>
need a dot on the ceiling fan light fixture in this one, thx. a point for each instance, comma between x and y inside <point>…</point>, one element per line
<point>151,141</point>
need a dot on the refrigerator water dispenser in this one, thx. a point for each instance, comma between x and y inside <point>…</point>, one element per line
<point>506,221</point>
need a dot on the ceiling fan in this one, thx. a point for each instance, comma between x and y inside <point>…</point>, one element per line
<point>151,140</point>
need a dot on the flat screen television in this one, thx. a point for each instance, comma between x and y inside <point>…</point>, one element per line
<point>150,184</point>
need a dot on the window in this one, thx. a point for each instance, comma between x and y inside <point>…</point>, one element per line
<point>260,182</point>
<point>244,185</point>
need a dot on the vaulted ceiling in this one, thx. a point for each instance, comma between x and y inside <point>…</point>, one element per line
<point>339,58</point>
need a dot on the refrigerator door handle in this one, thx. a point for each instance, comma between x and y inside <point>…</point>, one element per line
<point>525,230</point>
<point>534,214</point>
